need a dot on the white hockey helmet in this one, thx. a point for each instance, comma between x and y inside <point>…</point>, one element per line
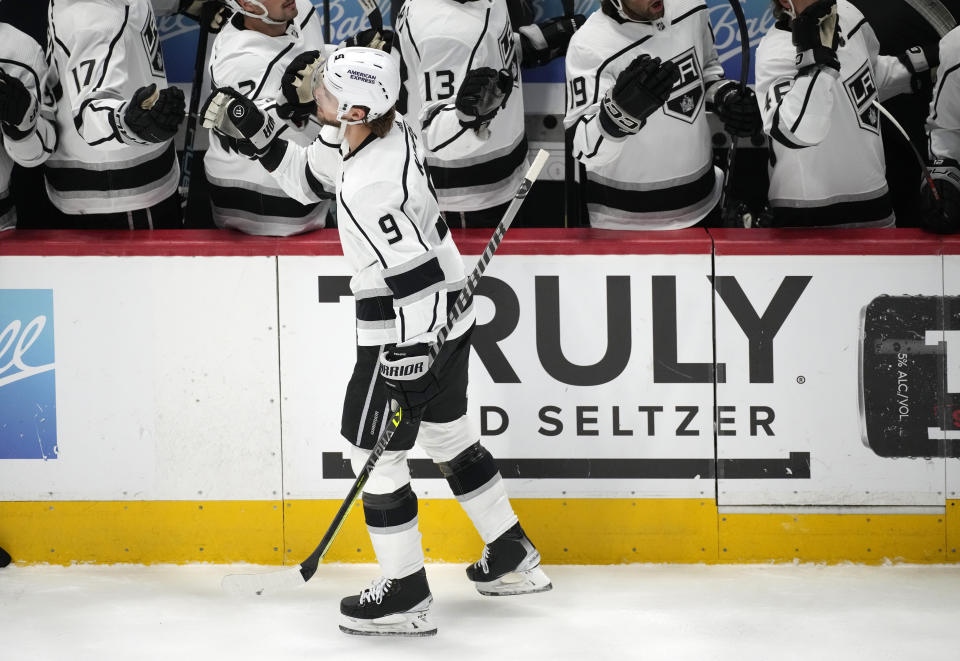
<point>263,15</point>
<point>361,77</point>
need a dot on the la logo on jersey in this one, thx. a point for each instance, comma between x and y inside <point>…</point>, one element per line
<point>686,98</point>
<point>862,91</point>
<point>151,43</point>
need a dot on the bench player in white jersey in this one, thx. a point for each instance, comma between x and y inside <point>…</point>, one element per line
<point>115,165</point>
<point>819,72</point>
<point>250,55</point>
<point>27,134</point>
<point>461,65</point>
<point>944,127</point>
<point>641,75</point>
<point>407,272</point>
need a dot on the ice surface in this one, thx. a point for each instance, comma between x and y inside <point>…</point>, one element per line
<point>673,612</point>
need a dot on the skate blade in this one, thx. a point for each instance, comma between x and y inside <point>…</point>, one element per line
<point>526,582</point>
<point>414,623</point>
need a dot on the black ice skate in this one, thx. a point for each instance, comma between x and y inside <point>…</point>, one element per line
<point>390,607</point>
<point>509,565</point>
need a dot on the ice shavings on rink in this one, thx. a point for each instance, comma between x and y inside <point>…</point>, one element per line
<point>769,612</point>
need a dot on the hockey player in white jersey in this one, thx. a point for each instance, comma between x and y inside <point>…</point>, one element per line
<point>640,76</point>
<point>944,127</point>
<point>115,165</point>
<point>462,89</point>
<point>27,134</point>
<point>250,55</point>
<point>819,73</point>
<point>406,273</point>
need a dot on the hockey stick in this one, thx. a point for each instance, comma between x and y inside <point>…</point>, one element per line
<point>744,75</point>
<point>192,116</point>
<point>570,183</point>
<point>916,152</point>
<point>257,584</point>
<point>326,21</point>
<point>934,13</point>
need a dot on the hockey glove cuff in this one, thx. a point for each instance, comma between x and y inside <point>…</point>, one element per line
<point>737,109</point>
<point>151,116</point>
<point>816,34</point>
<point>641,89</point>
<point>482,94</point>
<point>942,217</point>
<point>542,42</point>
<point>235,116</point>
<point>18,107</point>
<point>921,62</point>
<point>408,378</point>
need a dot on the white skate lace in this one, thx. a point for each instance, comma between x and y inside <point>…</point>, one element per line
<point>376,590</point>
<point>482,563</point>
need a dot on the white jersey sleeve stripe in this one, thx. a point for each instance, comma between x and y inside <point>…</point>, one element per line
<point>486,22</point>
<point>406,192</point>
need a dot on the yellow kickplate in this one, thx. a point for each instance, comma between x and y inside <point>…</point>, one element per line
<point>584,531</point>
<point>142,532</point>
<point>953,531</point>
<point>863,538</point>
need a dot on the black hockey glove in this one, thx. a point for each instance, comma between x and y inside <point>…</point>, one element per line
<point>921,62</point>
<point>816,34</point>
<point>296,84</point>
<point>482,94</point>
<point>18,107</point>
<point>642,88</point>
<point>153,115</point>
<point>737,109</point>
<point>542,42</point>
<point>371,38</point>
<point>232,114</point>
<point>408,377</point>
<point>210,14</point>
<point>942,217</point>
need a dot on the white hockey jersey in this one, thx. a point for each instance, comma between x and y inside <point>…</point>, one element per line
<point>103,52</point>
<point>663,177</point>
<point>944,120</point>
<point>439,41</point>
<point>407,271</point>
<point>827,165</point>
<point>242,194</point>
<point>22,39</point>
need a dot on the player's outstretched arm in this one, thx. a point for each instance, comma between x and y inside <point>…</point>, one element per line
<point>602,114</point>
<point>305,173</point>
<point>545,41</point>
<point>97,71</point>
<point>795,78</point>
